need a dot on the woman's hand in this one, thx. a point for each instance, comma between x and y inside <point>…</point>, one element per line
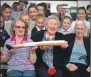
<point>72,67</point>
<point>64,45</point>
<point>33,49</point>
<point>88,69</point>
<point>12,50</point>
<point>33,56</point>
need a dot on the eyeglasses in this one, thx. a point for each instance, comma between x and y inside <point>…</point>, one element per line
<point>20,27</point>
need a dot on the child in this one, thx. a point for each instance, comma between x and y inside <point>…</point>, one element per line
<point>65,28</point>
<point>40,25</point>
<point>6,13</point>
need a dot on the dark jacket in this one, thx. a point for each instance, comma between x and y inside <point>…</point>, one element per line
<point>71,39</point>
<point>3,37</point>
<point>34,31</point>
<point>58,52</point>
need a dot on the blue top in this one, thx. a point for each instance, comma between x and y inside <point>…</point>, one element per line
<point>77,52</point>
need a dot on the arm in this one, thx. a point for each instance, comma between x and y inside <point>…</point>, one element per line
<point>6,57</point>
<point>33,56</point>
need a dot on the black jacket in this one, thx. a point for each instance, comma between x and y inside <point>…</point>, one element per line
<point>58,52</point>
<point>3,37</point>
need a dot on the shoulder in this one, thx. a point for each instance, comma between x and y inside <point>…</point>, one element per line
<point>38,37</point>
<point>57,34</point>
<point>34,28</point>
<point>8,41</point>
<point>87,39</point>
<point>29,39</point>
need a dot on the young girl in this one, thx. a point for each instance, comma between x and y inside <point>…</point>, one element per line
<point>6,13</point>
<point>65,28</point>
<point>33,13</point>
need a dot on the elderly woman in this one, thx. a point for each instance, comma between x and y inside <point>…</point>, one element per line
<point>50,56</point>
<point>78,61</point>
<point>20,61</point>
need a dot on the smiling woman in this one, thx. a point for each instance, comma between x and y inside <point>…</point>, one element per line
<point>20,61</point>
<point>50,58</point>
<point>19,28</point>
<point>78,60</point>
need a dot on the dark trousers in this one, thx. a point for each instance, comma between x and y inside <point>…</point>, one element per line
<point>80,72</point>
<point>43,72</point>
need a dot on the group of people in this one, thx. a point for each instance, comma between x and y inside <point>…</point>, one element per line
<point>70,59</point>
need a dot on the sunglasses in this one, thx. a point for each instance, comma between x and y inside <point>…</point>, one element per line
<point>20,27</point>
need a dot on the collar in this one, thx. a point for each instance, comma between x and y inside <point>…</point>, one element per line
<point>7,21</point>
<point>13,38</point>
<point>65,30</point>
<point>39,28</point>
<point>81,20</point>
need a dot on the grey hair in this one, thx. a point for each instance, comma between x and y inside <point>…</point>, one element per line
<point>52,17</point>
<point>80,22</point>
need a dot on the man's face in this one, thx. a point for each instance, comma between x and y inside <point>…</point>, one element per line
<point>59,9</point>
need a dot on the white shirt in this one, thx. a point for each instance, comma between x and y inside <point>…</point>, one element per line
<point>87,25</point>
<point>39,28</point>
<point>7,26</point>
<point>61,30</point>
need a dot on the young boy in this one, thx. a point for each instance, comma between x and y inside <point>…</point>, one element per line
<point>40,25</point>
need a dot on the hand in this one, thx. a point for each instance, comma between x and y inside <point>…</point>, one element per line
<point>72,67</point>
<point>88,69</point>
<point>12,50</point>
<point>33,49</point>
<point>64,45</point>
<point>43,47</point>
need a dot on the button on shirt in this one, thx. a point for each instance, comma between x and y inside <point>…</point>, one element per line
<point>19,60</point>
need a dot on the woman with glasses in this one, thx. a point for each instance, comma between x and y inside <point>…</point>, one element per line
<point>20,60</point>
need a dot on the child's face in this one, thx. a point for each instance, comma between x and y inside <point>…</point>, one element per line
<point>66,24</point>
<point>81,15</point>
<point>6,13</point>
<point>40,22</point>
<point>40,9</point>
<point>26,19</point>
<point>33,13</point>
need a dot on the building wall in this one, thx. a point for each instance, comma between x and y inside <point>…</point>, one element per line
<point>53,4</point>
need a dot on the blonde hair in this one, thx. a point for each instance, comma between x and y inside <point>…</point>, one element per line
<point>41,16</point>
<point>23,15</point>
<point>14,23</point>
